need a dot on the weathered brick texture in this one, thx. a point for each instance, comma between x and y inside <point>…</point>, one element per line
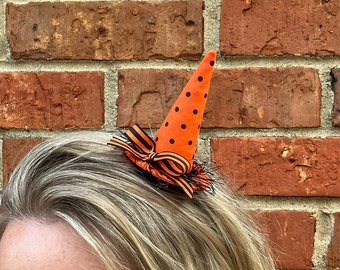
<point>51,100</point>
<point>291,236</point>
<point>106,30</point>
<point>256,97</point>
<point>279,95</point>
<point>280,166</point>
<point>13,150</point>
<point>334,247</point>
<point>266,27</point>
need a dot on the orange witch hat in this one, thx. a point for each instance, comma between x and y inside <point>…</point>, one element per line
<point>180,130</point>
<point>170,156</point>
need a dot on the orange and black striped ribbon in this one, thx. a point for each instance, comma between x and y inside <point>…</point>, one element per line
<point>143,147</point>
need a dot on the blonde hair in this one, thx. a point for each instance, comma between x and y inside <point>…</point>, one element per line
<point>130,222</point>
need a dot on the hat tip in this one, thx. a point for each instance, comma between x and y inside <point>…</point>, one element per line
<point>212,53</point>
<point>210,56</point>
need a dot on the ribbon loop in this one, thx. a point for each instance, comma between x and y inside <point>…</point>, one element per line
<point>140,139</point>
<point>143,147</point>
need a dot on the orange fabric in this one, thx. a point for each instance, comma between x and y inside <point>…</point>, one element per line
<point>170,155</point>
<point>199,180</point>
<point>180,130</point>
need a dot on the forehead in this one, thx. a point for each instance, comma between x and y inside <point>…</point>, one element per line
<point>29,244</point>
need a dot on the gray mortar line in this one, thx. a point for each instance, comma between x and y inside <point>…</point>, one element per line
<point>22,2</point>
<point>110,98</point>
<point>211,16</point>
<point>205,134</point>
<point>305,204</point>
<point>3,50</point>
<point>290,133</point>
<point>322,239</point>
<point>39,133</point>
<point>323,66</point>
<point>278,61</point>
<point>327,98</point>
<point>89,65</point>
<point>203,153</point>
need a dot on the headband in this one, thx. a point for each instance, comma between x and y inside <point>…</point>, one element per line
<point>170,155</point>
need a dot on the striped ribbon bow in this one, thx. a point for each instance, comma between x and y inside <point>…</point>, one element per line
<point>167,166</point>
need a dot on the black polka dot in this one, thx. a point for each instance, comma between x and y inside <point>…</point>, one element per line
<point>176,109</point>
<point>166,124</point>
<point>188,94</point>
<point>212,63</point>
<point>195,111</point>
<point>190,142</point>
<point>200,78</point>
<point>205,95</point>
<point>156,139</point>
<point>183,126</point>
<point>172,141</point>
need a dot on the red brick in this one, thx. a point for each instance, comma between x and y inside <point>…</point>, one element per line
<point>13,150</point>
<point>280,166</point>
<point>51,100</point>
<point>266,27</point>
<point>106,30</point>
<point>334,247</point>
<point>291,237</point>
<point>256,97</point>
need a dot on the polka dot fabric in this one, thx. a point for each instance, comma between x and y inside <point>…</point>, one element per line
<point>169,157</point>
<point>180,130</point>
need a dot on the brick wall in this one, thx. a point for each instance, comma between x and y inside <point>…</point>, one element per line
<point>272,119</point>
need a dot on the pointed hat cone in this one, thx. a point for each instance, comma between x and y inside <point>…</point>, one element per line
<point>180,130</point>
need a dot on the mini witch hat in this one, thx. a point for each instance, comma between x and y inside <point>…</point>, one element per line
<point>170,156</point>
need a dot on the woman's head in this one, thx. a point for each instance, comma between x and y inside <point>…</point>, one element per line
<point>79,182</point>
